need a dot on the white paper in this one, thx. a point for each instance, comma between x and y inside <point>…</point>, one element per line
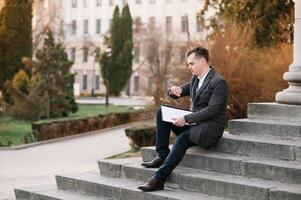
<point>168,113</point>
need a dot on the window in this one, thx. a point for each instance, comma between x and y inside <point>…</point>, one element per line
<point>72,56</point>
<point>73,27</point>
<point>97,52</point>
<point>74,3</point>
<point>97,82</point>
<point>136,83</point>
<point>152,1</point>
<point>168,25</point>
<point>182,55</point>
<point>138,1</point>
<point>98,3</point>
<point>137,54</point>
<point>111,3</point>
<point>62,27</point>
<point>98,26</point>
<point>152,23</point>
<point>198,24</point>
<point>137,25</point>
<point>86,26</point>
<point>85,3</point>
<point>184,24</point>
<point>85,81</point>
<point>85,54</point>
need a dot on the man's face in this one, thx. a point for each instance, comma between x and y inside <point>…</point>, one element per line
<point>195,64</point>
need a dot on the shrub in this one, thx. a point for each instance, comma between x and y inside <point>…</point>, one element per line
<point>141,136</point>
<point>253,74</point>
<point>21,81</point>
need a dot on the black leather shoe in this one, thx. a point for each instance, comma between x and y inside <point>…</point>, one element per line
<point>152,185</point>
<point>155,163</point>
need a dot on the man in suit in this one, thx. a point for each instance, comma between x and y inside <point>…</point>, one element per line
<point>204,127</point>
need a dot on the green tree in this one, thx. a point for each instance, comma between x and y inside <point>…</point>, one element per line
<point>51,86</point>
<point>126,55</point>
<point>15,39</point>
<point>116,67</point>
<point>273,20</point>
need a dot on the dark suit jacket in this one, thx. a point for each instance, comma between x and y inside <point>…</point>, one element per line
<point>209,106</point>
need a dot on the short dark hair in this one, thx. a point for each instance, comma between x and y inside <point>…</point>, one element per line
<point>200,52</point>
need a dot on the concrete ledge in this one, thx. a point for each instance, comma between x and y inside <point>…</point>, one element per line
<point>268,128</point>
<point>285,193</point>
<point>258,146</point>
<point>50,194</point>
<point>29,192</point>
<point>211,183</point>
<point>249,166</point>
<point>275,111</point>
<point>123,189</point>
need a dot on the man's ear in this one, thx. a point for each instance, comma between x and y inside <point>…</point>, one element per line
<point>202,60</point>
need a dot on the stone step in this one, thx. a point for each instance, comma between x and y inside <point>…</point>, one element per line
<point>50,192</point>
<point>268,128</point>
<point>250,166</point>
<point>123,189</point>
<point>213,183</point>
<point>259,146</point>
<point>274,111</point>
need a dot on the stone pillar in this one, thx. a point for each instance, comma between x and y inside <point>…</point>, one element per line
<point>292,95</point>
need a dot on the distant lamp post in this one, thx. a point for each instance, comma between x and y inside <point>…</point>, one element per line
<point>108,52</point>
<point>96,57</point>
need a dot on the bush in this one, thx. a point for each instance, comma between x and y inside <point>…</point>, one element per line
<point>141,136</point>
<point>144,136</point>
<point>253,74</point>
<point>21,81</point>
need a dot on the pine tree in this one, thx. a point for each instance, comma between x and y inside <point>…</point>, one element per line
<point>126,56</point>
<point>54,68</point>
<point>15,38</point>
<point>50,94</point>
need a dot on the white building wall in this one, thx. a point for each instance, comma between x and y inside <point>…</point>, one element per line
<point>160,10</point>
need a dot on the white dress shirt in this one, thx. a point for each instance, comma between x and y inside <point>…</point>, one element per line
<point>201,80</point>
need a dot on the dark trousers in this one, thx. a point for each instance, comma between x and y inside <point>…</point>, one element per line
<point>173,157</point>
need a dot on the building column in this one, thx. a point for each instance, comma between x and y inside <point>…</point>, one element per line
<point>292,95</point>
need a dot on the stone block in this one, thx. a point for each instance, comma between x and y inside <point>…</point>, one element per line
<point>274,111</point>
<point>268,128</point>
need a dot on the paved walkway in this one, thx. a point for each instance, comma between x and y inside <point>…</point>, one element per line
<point>37,165</point>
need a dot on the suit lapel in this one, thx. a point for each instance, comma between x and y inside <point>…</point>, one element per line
<point>205,83</point>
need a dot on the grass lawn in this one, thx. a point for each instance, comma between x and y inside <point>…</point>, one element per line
<point>14,131</point>
<point>18,132</point>
<point>92,110</point>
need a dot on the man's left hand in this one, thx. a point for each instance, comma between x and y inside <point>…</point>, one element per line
<point>179,121</point>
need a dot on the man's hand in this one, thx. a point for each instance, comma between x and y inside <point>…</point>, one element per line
<point>176,90</point>
<point>179,121</point>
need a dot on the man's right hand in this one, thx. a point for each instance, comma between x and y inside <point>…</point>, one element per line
<point>176,90</point>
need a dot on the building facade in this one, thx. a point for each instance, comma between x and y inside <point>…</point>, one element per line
<point>82,25</point>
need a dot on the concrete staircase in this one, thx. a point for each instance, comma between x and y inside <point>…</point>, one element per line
<point>259,159</point>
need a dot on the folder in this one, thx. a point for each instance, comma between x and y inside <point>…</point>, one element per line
<point>169,112</point>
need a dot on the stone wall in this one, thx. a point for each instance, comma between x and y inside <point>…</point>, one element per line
<point>67,127</point>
